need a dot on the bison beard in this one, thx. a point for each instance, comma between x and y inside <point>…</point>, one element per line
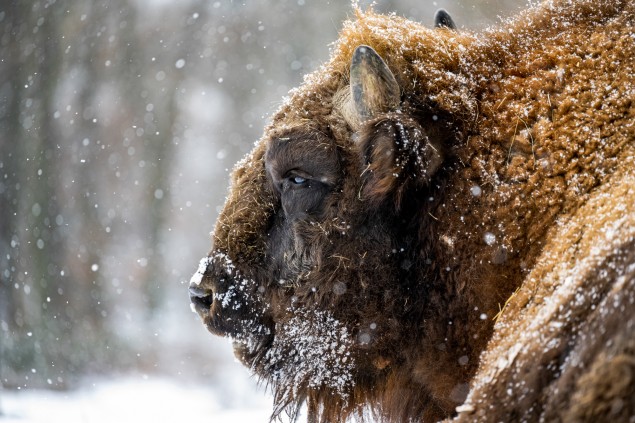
<point>421,186</point>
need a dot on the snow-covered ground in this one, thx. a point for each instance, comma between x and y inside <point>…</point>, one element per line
<point>137,399</point>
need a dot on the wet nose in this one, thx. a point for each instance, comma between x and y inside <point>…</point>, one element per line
<point>199,292</point>
<point>200,296</point>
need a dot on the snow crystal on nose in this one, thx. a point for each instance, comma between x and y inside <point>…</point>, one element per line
<point>202,267</point>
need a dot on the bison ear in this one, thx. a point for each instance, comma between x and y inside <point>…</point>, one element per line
<point>442,19</point>
<point>397,157</point>
<point>374,89</point>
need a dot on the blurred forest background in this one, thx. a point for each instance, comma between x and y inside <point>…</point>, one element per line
<point>119,122</point>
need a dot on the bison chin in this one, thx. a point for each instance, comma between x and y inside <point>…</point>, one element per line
<point>309,360</point>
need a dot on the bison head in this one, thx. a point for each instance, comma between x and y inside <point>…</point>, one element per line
<point>322,269</point>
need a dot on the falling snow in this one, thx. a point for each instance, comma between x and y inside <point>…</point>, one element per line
<point>123,122</point>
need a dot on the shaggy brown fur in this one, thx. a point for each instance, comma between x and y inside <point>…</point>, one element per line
<point>359,264</point>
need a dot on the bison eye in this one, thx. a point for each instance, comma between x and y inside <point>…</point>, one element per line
<point>298,180</point>
<point>295,179</point>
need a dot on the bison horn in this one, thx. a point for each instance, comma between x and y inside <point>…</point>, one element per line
<point>374,89</point>
<point>442,19</point>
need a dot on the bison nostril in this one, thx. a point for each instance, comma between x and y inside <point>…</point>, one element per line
<point>201,298</point>
<point>202,302</point>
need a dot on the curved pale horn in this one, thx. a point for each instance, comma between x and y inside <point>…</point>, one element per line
<point>373,88</point>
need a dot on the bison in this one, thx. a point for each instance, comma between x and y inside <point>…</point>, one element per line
<point>441,224</point>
